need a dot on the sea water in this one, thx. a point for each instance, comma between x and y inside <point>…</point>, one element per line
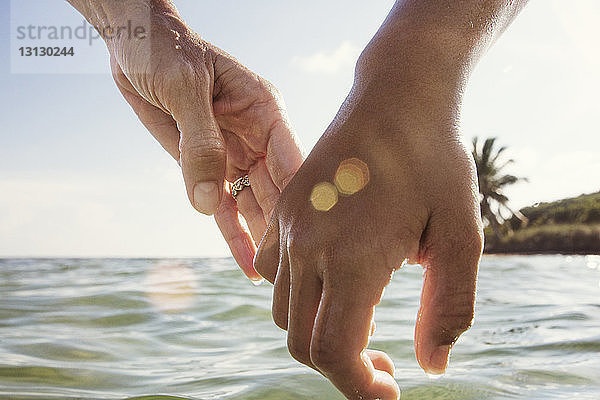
<point>197,329</point>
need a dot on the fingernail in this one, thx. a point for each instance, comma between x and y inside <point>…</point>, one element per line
<point>206,197</point>
<point>438,362</point>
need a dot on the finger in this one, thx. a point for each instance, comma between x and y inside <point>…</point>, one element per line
<point>448,296</point>
<point>240,157</point>
<point>381,361</point>
<point>283,156</point>
<point>266,192</point>
<point>239,241</point>
<point>341,334</point>
<point>281,292</point>
<point>305,296</point>
<point>266,261</point>
<point>249,208</point>
<point>160,124</point>
<point>202,148</point>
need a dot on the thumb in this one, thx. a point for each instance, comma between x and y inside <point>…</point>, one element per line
<point>202,154</point>
<point>448,296</point>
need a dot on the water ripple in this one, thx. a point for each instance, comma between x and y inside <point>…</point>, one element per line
<point>98,329</point>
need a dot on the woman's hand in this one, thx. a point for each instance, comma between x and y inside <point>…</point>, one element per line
<point>217,118</point>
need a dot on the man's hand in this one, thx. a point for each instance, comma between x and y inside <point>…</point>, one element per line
<point>368,199</point>
<point>389,182</point>
<point>217,118</point>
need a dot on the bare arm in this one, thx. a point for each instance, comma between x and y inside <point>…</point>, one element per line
<point>388,182</point>
<point>431,47</point>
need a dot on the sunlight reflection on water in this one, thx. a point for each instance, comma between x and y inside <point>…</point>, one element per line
<point>593,261</point>
<point>111,329</point>
<point>171,287</point>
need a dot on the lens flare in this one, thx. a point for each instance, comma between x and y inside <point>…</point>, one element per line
<point>324,196</point>
<point>351,176</point>
<point>593,261</point>
<point>171,287</point>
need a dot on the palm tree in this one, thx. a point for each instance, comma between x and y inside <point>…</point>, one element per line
<point>491,183</point>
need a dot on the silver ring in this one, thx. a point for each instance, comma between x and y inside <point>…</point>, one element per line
<point>239,185</point>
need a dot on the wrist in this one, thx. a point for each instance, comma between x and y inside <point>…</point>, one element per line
<point>413,85</point>
<point>415,65</point>
<point>425,51</point>
<point>126,20</point>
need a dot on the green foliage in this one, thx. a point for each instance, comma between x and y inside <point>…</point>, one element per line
<point>567,239</point>
<point>584,209</point>
<point>565,226</point>
<point>492,181</point>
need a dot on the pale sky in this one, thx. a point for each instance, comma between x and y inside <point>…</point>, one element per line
<point>80,176</point>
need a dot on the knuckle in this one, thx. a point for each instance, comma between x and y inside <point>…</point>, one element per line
<point>468,241</point>
<point>203,150</point>
<point>270,200</point>
<point>177,78</point>
<point>457,321</point>
<point>461,322</point>
<point>120,79</point>
<point>269,91</point>
<point>473,241</point>
<point>299,245</point>
<point>453,229</point>
<point>326,357</point>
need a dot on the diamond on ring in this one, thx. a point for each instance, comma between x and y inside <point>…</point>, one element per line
<point>239,185</point>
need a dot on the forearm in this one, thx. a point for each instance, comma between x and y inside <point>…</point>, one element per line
<point>426,49</point>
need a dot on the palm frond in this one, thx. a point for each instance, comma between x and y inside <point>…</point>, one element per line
<point>498,154</point>
<point>486,151</point>
<point>489,163</point>
<point>499,197</point>
<point>507,180</point>
<point>504,165</point>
